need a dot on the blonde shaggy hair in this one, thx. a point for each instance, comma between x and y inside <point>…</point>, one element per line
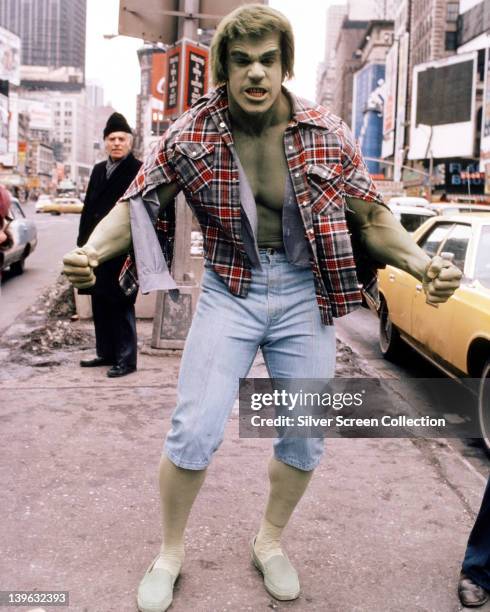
<point>250,20</point>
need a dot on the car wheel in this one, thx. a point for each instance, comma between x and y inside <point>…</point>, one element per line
<point>390,342</point>
<point>484,406</point>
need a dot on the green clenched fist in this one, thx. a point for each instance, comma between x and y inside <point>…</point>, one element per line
<point>78,266</point>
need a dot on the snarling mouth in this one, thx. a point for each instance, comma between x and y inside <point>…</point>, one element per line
<point>256,92</point>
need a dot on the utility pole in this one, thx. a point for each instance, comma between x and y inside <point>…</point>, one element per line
<point>173,316</point>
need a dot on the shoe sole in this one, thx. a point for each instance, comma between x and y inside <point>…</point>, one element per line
<point>166,605</point>
<point>268,588</point>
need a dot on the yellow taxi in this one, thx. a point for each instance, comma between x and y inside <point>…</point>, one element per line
<point>64,205</point>
<point>455,336</point>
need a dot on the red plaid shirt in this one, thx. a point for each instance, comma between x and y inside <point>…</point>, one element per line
<point>325,166</point>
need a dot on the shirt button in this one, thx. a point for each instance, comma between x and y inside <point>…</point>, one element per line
<point>296,175</point>
<point>222,124</point>
<point>193,154</point>
<point>290,147</point>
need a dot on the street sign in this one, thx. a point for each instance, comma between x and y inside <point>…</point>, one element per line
<point>187,70</point>
<point>196,73</point>
<point>153,20</point>
<point>157,20</point>
<point>174,81</point>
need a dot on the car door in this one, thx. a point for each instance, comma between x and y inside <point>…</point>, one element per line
<point>18,229</point>
<point>433,327</point>
<point>400,288</point>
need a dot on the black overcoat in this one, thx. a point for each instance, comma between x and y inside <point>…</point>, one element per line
<point>102,195</point>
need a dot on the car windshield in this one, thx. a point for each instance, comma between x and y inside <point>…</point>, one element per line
<point>482,266</point>
<point>412,221</point>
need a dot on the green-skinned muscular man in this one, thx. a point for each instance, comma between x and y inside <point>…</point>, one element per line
<point>270,178</point>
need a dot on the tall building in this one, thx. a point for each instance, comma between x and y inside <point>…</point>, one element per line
<point>327,69</point>
<point>52,31</point>
<point>71,136</point>
<point>369,92</point>
<point>95,94</point>
<point>433,27</point>
<point>348,61</point>
<point>371,10</point>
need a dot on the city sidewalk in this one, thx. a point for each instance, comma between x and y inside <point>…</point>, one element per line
<point>382,528</point>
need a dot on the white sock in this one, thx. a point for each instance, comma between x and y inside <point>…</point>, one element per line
<point>268,541</point>
<point>171,558</point>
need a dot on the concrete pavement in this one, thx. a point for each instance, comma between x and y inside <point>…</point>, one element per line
<point>382,528</point>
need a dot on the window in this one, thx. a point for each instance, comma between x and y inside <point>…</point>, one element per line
<point>431,241</point>
<point>451,41</point>
<point>457,244</point>
<point>16,210</point>
<point>452,11</point>
<point>482,267</point>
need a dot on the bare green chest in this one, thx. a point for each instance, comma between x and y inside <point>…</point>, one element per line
<point>265,165</point>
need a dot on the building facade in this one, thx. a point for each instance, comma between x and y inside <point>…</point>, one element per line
<point>433,27</point>
<point>371,10</point>
<point>327,70</point>
<point>52,31</point>
<point>347,63</point>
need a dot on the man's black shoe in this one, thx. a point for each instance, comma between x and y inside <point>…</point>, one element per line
<point>120,370</point>
<point>94,363</point>
<point>471,594</point>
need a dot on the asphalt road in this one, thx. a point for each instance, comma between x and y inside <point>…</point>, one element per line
<point>56,236</point>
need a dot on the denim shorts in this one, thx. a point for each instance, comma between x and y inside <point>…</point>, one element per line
<point>280,316</point>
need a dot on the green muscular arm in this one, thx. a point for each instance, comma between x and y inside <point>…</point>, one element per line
<point>388,242</point>
<point>111,237</point>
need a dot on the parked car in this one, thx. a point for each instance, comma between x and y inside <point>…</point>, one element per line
<point>65,205</point>
<point>455,336</point>
<point>411,217</point>
<point>43,202</point>
<point>24,238</point>
<point>407,201</point>
<point>451,208</point>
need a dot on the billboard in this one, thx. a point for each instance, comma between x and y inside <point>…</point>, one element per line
<point>4,124</point>
<point>485,120</point>
<point>366,80</point>
<point>389,112</point>
<point>10,157</point>
<point>196,74</point>
<point>9,56</point>
<point>174,71</point>
<point>443,108</point>
<point>187,77</point>
<point>40,114</point>
<point>158,72</point>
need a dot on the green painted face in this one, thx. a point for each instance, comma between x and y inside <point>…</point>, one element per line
<point>255,73</point>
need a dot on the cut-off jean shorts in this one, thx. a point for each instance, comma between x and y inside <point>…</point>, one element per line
<point>279,315</point>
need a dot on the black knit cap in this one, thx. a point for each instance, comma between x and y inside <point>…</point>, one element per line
<point>116,123</point>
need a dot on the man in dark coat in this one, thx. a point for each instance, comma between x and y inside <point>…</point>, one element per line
<point>113,312</point>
